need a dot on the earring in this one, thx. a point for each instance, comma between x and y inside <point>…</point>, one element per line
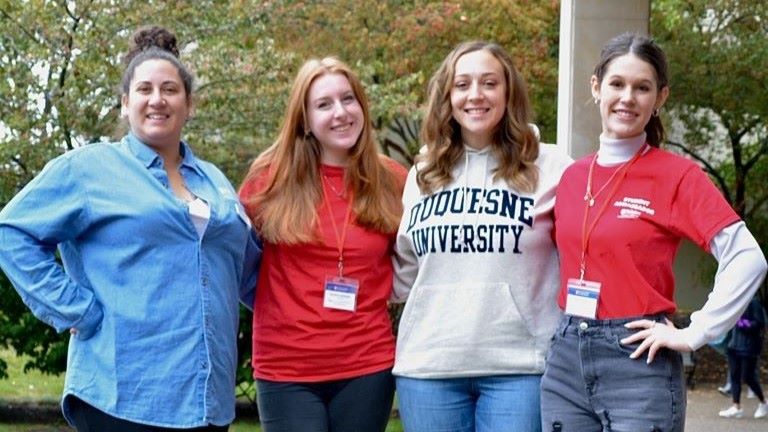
<point>656,112</point>
<point>597,100</point>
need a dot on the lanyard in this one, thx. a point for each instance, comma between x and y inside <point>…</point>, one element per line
<point>339,237</point>
<point>589,201</point>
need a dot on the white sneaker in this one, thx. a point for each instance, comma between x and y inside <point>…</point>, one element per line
<point>762,410</point>
<point>734,412</point>
<point>750,394</point>
<point>725,390</point>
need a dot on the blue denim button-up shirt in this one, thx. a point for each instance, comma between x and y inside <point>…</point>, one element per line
<point>154,305</point>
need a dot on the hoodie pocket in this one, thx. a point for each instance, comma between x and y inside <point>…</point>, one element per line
<point>472,320</point>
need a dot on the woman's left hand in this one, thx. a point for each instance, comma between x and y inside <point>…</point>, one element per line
<point>654,336</point>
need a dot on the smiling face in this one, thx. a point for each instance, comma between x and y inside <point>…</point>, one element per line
<point>157,104</point>
<point>629,95</point>
<point>478,96</point>
<point>335,117</point>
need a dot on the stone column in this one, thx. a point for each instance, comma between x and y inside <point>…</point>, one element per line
<point>585,26</point>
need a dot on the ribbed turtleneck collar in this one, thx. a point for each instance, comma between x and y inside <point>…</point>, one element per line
<point>615,151</point>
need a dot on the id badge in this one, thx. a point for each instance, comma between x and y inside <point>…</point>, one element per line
<point>340,293</point>
<point>582,298</point>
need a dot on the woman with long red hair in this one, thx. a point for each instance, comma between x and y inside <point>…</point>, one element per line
<point>327,206</point>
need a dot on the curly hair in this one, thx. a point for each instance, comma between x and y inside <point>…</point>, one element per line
<point>154,43</point>
<point>515,144</point>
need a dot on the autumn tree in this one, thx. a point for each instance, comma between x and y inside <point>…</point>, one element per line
<point>396,45</point>
<point>718,56</point>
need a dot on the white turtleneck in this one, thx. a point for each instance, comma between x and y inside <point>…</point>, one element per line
<point>614,151</point>
<point>740,262</point>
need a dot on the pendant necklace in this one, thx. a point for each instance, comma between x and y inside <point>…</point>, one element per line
<point>588,196</point>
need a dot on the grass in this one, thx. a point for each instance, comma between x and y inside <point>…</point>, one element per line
<point>27,387</point>
<point>36,386</point>
<point>239,426</point>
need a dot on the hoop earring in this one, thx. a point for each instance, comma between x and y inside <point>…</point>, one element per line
<point>656,112</point>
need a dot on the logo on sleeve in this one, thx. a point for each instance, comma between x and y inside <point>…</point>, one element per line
<point>633,208</point>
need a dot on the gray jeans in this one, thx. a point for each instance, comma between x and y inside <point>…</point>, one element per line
<point>591,385</point>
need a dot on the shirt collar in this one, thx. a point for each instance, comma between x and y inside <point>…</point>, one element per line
<point>150,158</point>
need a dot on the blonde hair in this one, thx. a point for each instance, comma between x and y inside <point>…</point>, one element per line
<point>514,142</point>
<point>286,206</point>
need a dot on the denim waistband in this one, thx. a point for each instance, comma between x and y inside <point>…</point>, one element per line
<point>584,324</point>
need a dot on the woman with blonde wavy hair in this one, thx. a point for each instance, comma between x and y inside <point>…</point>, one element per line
<point>327,206</point>
<point>474,253</point>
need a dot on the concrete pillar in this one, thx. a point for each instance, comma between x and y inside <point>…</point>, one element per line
<point>585,26</point>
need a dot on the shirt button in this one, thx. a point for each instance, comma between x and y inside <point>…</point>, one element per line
<point>583,325</point>
<point>203,365</point>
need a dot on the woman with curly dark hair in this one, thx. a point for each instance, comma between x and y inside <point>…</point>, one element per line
<point>156,252</point>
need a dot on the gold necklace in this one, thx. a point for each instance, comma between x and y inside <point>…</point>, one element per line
<point>588,195</point>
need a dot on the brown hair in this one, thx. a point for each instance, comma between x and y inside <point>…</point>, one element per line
<point>285,209</point>
<point>514,144</point>
<point>648,51</point>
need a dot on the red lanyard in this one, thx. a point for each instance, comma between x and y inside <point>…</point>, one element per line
<point>339,237</point>
<point>620,173</point>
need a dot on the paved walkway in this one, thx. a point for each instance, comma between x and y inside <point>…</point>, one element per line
<point>704,402</point>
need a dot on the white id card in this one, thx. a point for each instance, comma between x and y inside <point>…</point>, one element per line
<point>582,298</point>
<point>340,293</point>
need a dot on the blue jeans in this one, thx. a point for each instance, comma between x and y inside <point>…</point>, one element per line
<point>590,384</point>
<point>349,405</point>
<point>476,404</point>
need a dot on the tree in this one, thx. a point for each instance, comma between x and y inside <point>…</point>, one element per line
<point>396,45</point>
<point>718,55</point>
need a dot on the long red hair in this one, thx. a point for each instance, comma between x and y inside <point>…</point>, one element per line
<point>285,208</point>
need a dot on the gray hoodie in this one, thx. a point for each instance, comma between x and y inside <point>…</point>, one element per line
<point>478,266</point>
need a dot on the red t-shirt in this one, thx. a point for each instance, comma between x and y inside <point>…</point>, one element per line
<point>296,338</point>
<point>662,199</point>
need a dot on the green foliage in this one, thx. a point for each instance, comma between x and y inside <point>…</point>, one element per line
<point>28,336</point>
<point>396,45</point>
<point>718,55</point>
<point>25,385</point>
